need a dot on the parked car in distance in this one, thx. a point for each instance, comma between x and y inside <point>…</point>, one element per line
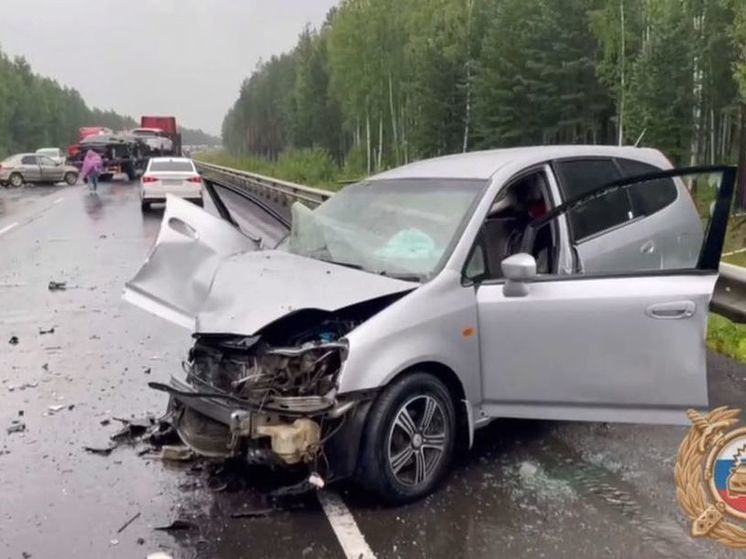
<point>554,282</point>
<point>55,154</point>
<point>23,168</point>
<point>156,140</point>
<point>170,175</point>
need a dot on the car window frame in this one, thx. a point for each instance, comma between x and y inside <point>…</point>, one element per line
<point>478,242</point>
<point>708,261</point>
<point>36,160</point>
<point>618,160</point>
<point>559,178</point>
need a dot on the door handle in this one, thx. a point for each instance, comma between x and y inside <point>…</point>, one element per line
<point>648,247</point>
<point>672,311</point>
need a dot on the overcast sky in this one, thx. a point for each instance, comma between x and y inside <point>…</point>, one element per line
<point>181,57</point>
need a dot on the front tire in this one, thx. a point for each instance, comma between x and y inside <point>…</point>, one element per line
<point>71,178</point>
<point>15,180</point>
<point>409,439</point>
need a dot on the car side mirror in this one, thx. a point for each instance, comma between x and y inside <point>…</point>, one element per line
<point>518,269</point>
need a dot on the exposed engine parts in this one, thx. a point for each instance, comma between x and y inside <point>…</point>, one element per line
<point>273,377</point>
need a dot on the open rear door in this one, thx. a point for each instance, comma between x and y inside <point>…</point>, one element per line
<point>619,341</point>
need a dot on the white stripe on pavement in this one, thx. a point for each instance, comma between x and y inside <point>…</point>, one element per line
<point>349,535</point>
<point>8,228</point>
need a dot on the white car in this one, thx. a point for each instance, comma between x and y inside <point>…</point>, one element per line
<point>155,139</point>
<point>55,154</point>
<point>170,175</point>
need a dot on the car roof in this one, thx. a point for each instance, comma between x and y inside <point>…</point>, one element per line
<point>48,149</point>
<point>484,164</point>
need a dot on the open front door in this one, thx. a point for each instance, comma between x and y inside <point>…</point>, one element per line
<point>617,340</point>
<point>176,277</point>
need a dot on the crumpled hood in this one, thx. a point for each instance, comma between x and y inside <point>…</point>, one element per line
<point>252,289</point>
<point>205,275</point>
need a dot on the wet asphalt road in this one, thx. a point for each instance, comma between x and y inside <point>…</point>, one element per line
<point>528,489</point>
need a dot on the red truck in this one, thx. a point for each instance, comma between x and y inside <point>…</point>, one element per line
<point>84,132</point>
<point>161,134</point>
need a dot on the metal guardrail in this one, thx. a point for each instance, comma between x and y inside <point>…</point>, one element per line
<point>728,300</point>
<point>280,192</point>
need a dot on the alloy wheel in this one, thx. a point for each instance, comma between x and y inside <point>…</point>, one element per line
<point>417,440</point>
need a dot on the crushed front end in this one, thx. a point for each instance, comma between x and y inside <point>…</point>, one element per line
<point>272,398</point>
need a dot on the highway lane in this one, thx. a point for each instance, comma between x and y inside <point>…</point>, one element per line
<point>528,489</point>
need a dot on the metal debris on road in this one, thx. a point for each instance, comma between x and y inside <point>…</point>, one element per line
<point>57,285</point>
<point>103,451</point>
<point>178,524</point>
<point>16,427</point>
<point>255,513</point>
<point>13,340</point>
<point>42,331</point>
<point>55,408</point>
<point>130,521</point>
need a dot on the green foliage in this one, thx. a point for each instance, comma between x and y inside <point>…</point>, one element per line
<point>384,82</point>
<point>310,166</point>
<point>38,112</point>
<point>726,337</point>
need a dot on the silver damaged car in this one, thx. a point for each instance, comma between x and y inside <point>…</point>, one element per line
<point>412,308</point>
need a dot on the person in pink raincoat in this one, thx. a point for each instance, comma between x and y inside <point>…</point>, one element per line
<point>92,167</point>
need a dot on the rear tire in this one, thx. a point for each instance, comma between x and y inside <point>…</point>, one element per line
<point>15,180</point>
<point>105,178</point>
<point>71,178</point>
<point>145,206</point>
<point>409,439</point>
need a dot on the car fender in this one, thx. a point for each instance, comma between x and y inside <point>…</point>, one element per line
<point>434,323</point>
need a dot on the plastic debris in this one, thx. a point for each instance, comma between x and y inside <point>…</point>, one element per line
<point>57,285</point>
<point>42,331</point>
<point>13,340</point>
<point>176,453</point>
<point>55,408</point>
<point>16,427</point>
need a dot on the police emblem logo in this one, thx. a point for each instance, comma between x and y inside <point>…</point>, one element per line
<point>711,476</point>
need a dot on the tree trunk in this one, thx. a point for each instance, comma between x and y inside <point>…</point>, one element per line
<point>380,142</point>
<point>741,184</point>
<point>367,140</point>
<point>393,121</point>
<point>467,114</point>
<point>622,86</point>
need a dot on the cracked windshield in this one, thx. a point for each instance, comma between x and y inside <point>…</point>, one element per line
<point>372,279</point>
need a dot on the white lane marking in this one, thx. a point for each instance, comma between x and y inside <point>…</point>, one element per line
<point>8,228</point>
<point>349,535</point>
<point>732,252</point>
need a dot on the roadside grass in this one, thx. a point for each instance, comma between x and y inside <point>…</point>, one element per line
<point>309,167</point>
<point>727,337</point>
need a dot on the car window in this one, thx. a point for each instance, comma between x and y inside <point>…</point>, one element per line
<point>675,243</point>
<point>579,176</point>
<point>396,227</point>
<point>647,198</point>
<point>28,160</point>
<point>46,161</point>
<point>172,166</point>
